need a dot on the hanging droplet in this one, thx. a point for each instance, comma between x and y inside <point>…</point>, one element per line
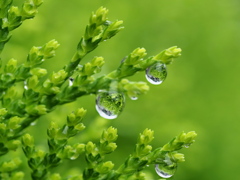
<point>109,104</point>
<point>156,73</point>
<point>163,171</point>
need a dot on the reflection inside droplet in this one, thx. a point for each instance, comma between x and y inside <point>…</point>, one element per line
<point>109,104</point>
<point>156,73</point>
<point>162,173</point>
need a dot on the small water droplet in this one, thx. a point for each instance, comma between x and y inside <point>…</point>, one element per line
<point>33,123</point>
<point>186,145</point>
<point>164,173</point>
<point>122,61</point>
<point>71,81</point>
<point>25,85</point>
<point>133,98</point>
<point>109,104</point>
<point>156,73</point>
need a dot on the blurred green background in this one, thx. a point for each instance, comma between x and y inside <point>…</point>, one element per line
<point>201,91</point>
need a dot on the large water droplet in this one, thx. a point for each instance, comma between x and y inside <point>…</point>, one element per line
<point>109,104</point>
<point>163,171</point>
<point>156,73</point>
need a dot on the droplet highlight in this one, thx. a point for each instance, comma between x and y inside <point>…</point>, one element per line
<point>71,81</point>
<point>109,104</point>
<point>156,73</point>
<point>164,172</point>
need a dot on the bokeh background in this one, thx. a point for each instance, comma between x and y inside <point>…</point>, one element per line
<point>201,92</point>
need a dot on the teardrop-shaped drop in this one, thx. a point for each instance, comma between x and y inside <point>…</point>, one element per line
<point>156,73</point>
<point>109,104</point>
<point>164,172</point>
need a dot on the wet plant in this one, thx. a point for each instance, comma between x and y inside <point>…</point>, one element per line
<point>27,92</point>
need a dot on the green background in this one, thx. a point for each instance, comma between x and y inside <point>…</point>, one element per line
<point>201,92</point>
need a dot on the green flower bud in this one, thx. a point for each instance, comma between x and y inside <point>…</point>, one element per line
<point>28,10</point>
<point>39,72</point>
<point>34,57</point>
<point>109,135</point>
<point>11,93</point>
<point>80,127</point>
<point>53,130</point>
<point>112,29</point>
<point>17,176</point>
<point>91,148</point>
<point>107,148</point>
<point>55,176</point>
<point>27,140</point>
<point>14,18</point>
<point>167,55</point>
<point>3,111</point>
<point>14,122</point>
<point>32,82</point>
<point>143,150</point>
<point>11,165</point>
<point>190,137</point>
<point>99,17</point>
<point>11,66</point>
<point>36,110</point>
<point>136,56</point>
<point>3,127</point>
<point>146,137</point>
<point>80,148</point>
<point>105,167</point>
<point>98,61</point>
<point>13,144</point>
<point>178,157</point>
<point>59,77</point>
<point>40,154</point>
<point>48,50</point>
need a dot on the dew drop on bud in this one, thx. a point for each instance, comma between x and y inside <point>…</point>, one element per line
<point>156,73</point>
<point>109,104</point>
<point>163,172</point>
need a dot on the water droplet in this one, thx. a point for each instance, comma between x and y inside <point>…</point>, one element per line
<point>122,61</point>
<point>163,171</point>
<point>71,81</point>
<point>33,123</point>
<point>109,104</point>
<point>187,145</point>
<point>156,73</point>
<point>25,85</point>
<point>133,98</point>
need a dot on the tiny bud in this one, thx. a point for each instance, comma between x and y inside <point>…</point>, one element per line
<point>11,66</point>
<point>80,127</point>
<point>39,72</point>
<point>13,145</point>
<point>17,176</point>
<point>55,176</point>
<point>90,147</point>
<point>53,130</point>
<point>105,167</point>
<point>110,134</point>
<point>59,77</point>
<point>178,157</point>
<point>14,122</point>
<point>80,148</point>
<point>28,140</point>
<point>3,111</point>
